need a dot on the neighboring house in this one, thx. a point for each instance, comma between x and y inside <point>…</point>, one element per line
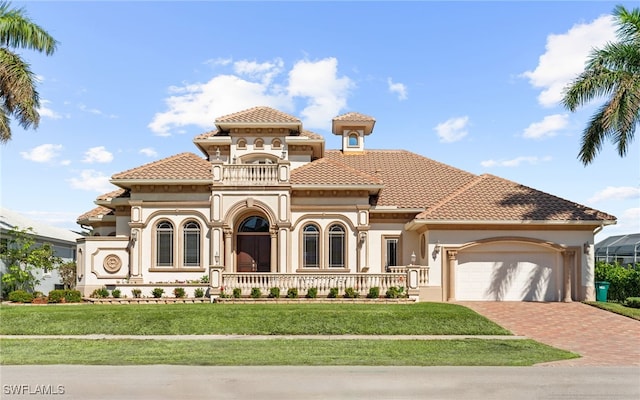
<point>62,240</point>
<point>621,249</point>
<point>269,206</point>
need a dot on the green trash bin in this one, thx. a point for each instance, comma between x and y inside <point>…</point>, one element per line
<point>601,291</point>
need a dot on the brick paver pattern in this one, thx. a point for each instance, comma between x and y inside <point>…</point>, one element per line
<point>601,337</point>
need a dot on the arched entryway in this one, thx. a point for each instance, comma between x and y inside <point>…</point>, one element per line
<point>253,244</point>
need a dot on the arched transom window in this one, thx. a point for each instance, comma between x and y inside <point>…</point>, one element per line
<point>164,244</point>
<point>336,246</point>
<point>311,246</point>
<point>191,237</point>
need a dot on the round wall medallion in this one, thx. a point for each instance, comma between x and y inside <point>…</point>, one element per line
<point>112,263</point>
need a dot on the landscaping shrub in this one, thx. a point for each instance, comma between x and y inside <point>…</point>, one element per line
<point>374,293</point>
<point>56,296</point>
<point>333,293</point>
<point>292,293</point>
<point>274,292</point>
<point>179,292</point>
<point>633,302</point>
<point>624,281</point>
<point>72,296</point>
<point>256,293</point>
<point>101,293</point>
<point>20,296</point>
<point>199,292</point>
<point>350,293</point>
<point>237,293</point>
<point>157,292</point>
<point>136,293</point>
<point>116,293</point>
<point>204,279</point>
<point>395,292</point>
<point>312,293</point>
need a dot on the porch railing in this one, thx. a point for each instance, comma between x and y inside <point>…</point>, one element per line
<point>423,273</point>
<point>250,174</point>
<point>323,282</point>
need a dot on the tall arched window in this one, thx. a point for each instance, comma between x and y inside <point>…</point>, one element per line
<point>336,246</point>
<point>191,236</point>
<point>164,244</point>
<point>311,246</point>
<point>353,140</point>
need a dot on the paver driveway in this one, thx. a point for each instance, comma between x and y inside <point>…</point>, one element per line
<point>599,336</point>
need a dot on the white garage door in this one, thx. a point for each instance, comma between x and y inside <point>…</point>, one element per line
<point>529,276</point>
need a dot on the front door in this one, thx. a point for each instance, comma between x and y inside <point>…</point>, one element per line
<point>254,245</point>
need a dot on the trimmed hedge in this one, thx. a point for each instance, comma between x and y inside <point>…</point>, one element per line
<point>64,296</point>
<point>633,302</point>
<point>624,281</point>
<point>20,296</point>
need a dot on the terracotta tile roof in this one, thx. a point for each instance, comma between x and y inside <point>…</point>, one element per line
<point>311,135</point>
<point>410,180</point>
<point>95,213</point>
<point>491,198</point>
<point>114,194</point>
<point>206,135</point>
<point>258,115</point>
<point>355,117</point>
<point>186,166</point>
<point>327,172</point>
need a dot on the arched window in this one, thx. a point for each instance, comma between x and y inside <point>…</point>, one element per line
<point>258,144</point>
<point>336,246</point>
<point>164,244</point>
<point>242,144</point>
<point>311,246</point>
<point>254,224</point>
<point>276,144</point>
<point>191,237</point>
<point>353,140</point>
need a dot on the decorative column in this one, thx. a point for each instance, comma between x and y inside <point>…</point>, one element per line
<point>135,269</point>
<point>273,233</point>
<point>568,257</point>
<point>453,262</point>
<point>228,236</point>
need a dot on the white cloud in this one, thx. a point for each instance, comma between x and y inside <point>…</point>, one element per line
<point>97,155</point>
<point>616,193</point>
<point>91,180</point>
<point>149,152</point>
<point>95,111</point>
<point>515,162</point>
<point>565,57</point>
<point>399,88</point>
<point>47,112</point>
<point>548,127</point>
<point>253,84</point>
<point>43,153</point>
<point>453,129</point>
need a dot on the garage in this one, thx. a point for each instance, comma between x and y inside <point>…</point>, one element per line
<point>495,272</point>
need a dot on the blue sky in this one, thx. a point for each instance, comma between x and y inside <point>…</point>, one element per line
<point>471,84</point>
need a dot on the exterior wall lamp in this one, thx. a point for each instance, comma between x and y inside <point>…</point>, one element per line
<point>134,235</point>
<point>585,248</point>
<point>216,258</point>
<point>413,258</point>
<point>436,250</point>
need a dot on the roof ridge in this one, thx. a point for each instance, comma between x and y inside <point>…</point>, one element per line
<point>456,193</point>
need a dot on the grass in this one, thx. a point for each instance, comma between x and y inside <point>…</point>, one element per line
<point>468,352</point>
<point>617,308</point>
<point>246,319</point>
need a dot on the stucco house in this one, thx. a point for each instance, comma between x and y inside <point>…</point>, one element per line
<point>62,240</point>
<point>266,205</point>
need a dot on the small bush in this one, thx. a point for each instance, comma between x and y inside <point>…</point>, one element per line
<point>101,293</point>
<point>20,296</point>
<point>116,293</point>
<point>312,293</point>
<point>72,296</point>
<point>157,292</point>
<point>350,293</point>
<point>55,296</point>
<point>274,292</point>
<point>256,293</point>
<point>633,302</point>
<point>333,293</point>
<point>204,279</point>
<point>199,292</point>
<point>179,292</point>
<point>136,293</point>
<point>374,293</point>
<point>395,292</point>
<point>237,293</point>
<point>292,293</point>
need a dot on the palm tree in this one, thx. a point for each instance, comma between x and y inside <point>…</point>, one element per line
<point>18,95</point>
<point>612,72</point>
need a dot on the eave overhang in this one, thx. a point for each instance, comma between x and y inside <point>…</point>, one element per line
<point>417,224</point>
<point>129,183</point>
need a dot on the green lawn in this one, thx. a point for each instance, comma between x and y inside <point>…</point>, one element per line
<point>278,352</point>
<point>246,319</point>
<point>617,308</point>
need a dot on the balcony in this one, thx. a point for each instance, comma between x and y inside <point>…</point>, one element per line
<point>250,174</point>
